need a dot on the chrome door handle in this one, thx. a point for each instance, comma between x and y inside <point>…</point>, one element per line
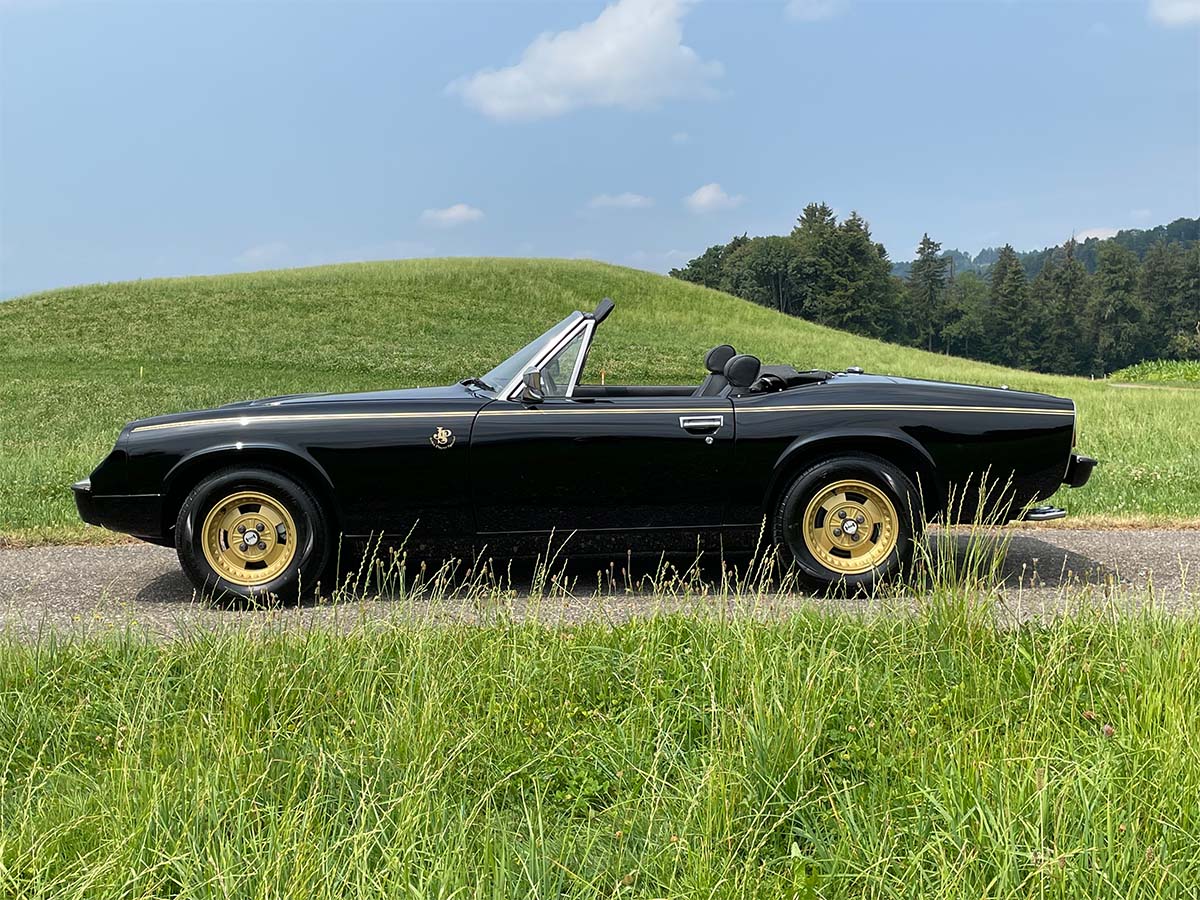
<point>701,424</point>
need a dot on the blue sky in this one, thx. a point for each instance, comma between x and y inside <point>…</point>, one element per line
<point>174,138</point>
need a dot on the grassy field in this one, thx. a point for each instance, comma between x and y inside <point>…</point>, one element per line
<point>77,363</point>
<point>1161,371</point>
<point>820,756</point>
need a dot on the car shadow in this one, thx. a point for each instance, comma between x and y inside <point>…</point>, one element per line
<point>1013,560</point>
<point>168,588</point>
<point>1032,562</point>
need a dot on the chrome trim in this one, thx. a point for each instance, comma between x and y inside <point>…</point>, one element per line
<point>589,330</point>
<point>686,422</point>
<point>555,346</point>
<point>540,358</point>
<point>1074,439</point>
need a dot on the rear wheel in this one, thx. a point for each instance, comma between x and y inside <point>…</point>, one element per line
<point>848,521</point>
<point>252,533</point>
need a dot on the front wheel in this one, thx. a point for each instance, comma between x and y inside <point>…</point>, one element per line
<point>252,533</point>
<point>849,521</point>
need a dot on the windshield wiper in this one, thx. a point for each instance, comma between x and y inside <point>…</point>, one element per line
<point>477,382</point>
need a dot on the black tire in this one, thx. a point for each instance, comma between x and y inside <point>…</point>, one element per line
<point>311,541</point>
<point>789,530</point>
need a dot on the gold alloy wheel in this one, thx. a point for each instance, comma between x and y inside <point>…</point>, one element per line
<point>249,538</point>
<point>850,527</point>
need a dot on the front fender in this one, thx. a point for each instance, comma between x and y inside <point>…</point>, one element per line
<point>188,470</point>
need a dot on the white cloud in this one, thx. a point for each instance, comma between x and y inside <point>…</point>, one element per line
<point>1099,233</point>
<point>815,10</point>
<point>264,254</point>
<point>681,137</point>
<point>458,214</point>
<point>626,200</point>
<point>399,249</point>
<point>658,262</point>
<point>1175,12</point>
<point>711,198</point>
<point>1141,214</point>
<point>632,55</point>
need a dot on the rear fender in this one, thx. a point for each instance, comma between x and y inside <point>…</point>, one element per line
<point>894,446</point>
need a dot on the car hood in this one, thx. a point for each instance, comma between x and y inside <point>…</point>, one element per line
<point>301,402</point>
<point>448,392</point>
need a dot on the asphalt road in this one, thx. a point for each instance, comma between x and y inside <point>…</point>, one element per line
<point>86,589</point>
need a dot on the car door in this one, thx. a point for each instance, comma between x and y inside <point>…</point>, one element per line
<point>614,464</point>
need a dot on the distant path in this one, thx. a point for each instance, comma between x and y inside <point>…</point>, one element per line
<point>94,588</point>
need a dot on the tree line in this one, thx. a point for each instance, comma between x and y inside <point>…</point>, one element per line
<point>1080,309</point>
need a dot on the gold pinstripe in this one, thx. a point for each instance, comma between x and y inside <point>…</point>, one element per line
<point>757,409</point>
<point>673,410</point>
<point>304,417</point>
<point>710,410</point>
<point>906,407</point>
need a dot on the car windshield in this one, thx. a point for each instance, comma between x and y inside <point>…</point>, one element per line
<point>517,363</point>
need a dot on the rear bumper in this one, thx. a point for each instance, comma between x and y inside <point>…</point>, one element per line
<point>137,514</point>
<point>1079,470</point>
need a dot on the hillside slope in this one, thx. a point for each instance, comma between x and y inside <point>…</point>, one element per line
<point>77,363</point>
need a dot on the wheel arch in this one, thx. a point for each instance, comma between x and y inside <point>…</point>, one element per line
<point>897,448</point>
<point>189,471</point>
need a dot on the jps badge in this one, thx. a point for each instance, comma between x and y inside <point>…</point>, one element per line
<point>442,438</point>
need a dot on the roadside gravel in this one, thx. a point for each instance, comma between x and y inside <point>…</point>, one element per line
<point>88,589</point>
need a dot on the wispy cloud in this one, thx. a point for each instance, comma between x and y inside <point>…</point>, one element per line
<point>278,254</point>
<point>1141,215</point>
<point>1173,13</point>
<point>711,198</point>
<point>658,261</point>
<point>815,10</point>
<point>399,249</point>
<point>681,137</point>
<point>272,252</point>
<point>632,55</point>
<point>1098,233</point>
<point>451,216</point>
<point>626,200</point>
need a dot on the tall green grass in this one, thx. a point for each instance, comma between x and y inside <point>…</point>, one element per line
<point>78,363</point>
<point>1161,371</point>
<point>932,755</point>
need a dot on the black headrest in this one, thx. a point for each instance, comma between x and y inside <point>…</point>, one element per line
<point>742,370</point>
<point>715,359</point>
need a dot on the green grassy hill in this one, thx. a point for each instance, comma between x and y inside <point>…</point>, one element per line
<point>78,363</point>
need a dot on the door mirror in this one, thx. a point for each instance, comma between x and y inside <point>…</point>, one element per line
<point>531,386</point>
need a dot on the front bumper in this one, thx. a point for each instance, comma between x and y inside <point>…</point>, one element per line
<point>137,514</point>
<point>1079,470</point>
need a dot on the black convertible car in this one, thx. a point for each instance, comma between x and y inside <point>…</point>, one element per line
<point>844,467</point>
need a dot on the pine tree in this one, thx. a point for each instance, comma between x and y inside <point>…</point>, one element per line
<point>1185,343</point>
<point>1050,334</point>
<point>1009,331</point>
<point>1161,288</point>
<point>1117,316</point>
<point>927,293</point>
<point>966,316</point>
<point>1072,290</point>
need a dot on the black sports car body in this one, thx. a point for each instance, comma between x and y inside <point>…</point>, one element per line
<point>843,467</point>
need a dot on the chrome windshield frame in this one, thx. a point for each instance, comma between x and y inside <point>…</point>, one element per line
<point>578,322</point>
